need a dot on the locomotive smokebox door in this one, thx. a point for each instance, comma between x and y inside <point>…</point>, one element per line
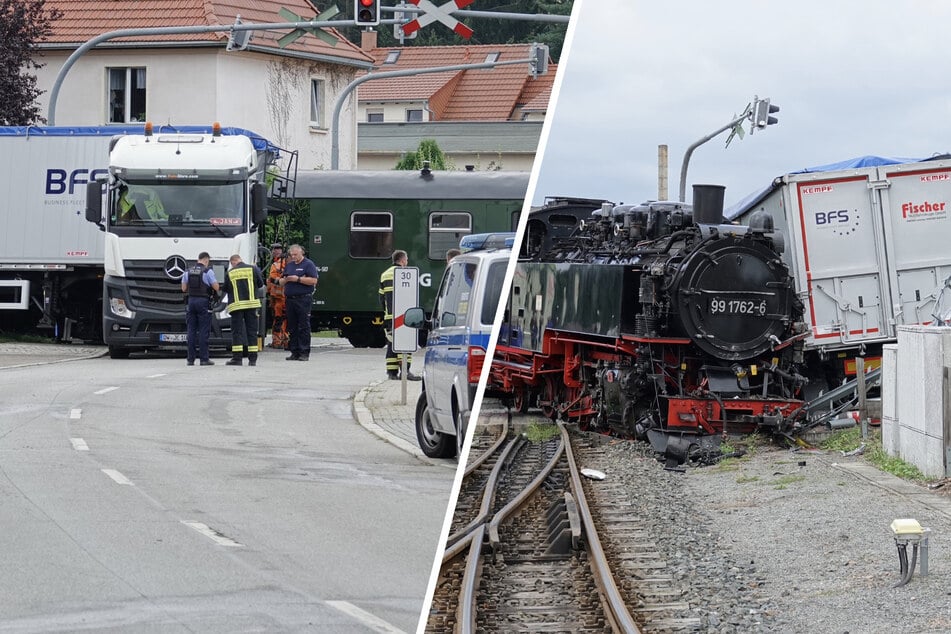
<point>734,299</point>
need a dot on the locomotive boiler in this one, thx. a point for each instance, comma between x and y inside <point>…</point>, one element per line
<point>657,319</point>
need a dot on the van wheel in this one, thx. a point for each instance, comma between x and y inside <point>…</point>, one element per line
<point>433,443</point>
<point>115,352</point>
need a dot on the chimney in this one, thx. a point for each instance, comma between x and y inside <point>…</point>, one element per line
<point>368,40</point>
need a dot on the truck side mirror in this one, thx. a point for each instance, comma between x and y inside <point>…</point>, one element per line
<point>94,201</point>
<point>258,203</point>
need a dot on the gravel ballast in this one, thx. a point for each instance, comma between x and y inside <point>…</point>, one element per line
<point>767,544</point>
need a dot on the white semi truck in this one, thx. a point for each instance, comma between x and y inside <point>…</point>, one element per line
<point>154,201</point>
<point>868,250</point>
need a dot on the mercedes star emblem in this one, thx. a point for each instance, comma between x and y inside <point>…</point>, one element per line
<point>175,267</point>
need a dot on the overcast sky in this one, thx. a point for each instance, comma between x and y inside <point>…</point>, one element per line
<point>852,78</point>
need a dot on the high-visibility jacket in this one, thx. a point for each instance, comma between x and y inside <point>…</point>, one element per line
<point>241,283</point>
<point>274,274</point>
<point>386,292</point>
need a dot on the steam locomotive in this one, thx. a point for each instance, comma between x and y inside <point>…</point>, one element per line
<point>656,320</point>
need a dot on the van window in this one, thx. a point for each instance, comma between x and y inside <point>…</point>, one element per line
<point>452,305</point>
<point>446,228</point>
<point>493,291</point>
<point>371,234</point>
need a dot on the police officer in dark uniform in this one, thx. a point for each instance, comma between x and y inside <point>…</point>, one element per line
<point>241,284</point>
<point>198,283</point>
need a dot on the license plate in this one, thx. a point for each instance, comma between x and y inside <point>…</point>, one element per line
<point>173,338</point>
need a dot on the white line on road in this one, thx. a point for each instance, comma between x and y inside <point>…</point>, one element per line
<point>75,414</point>
<point>79,444</point>
<point>106,389</point>
<point>373,622</point>
<point>212,534</point>
<point>118,477</point>
<point>155,376</point>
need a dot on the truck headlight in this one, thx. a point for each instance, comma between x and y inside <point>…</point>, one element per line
<point>118,307</point>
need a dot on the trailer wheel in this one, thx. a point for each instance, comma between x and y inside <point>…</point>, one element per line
<point>433,443</point>
<point>115,352</point>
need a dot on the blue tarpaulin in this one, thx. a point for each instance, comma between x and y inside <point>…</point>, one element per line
<point>259,142</point>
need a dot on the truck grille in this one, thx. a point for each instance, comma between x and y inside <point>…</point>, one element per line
<point>149,287</point>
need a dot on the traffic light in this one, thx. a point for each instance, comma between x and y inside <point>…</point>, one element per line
<point>366,12</point>
<point>762,110</point>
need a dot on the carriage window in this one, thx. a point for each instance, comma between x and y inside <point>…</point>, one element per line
<point>446,228</point>
<point>371,234</point>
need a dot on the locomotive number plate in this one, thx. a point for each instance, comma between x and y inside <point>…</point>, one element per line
<point>720,306</point>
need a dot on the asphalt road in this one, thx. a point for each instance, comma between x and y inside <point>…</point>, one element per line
<point>144,495</point>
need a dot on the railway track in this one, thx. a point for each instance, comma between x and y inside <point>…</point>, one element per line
<point>551,551</point>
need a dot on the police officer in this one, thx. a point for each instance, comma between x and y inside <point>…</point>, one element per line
<point>400,258</point>
<point>198,283</point>
<point>241,284</point>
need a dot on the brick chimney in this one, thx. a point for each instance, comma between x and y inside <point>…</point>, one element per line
<point>368,40</point>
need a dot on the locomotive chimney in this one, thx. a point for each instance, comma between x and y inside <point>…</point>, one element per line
<point>708,204</point>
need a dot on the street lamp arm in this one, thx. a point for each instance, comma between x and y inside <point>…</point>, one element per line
<point>695,145</point>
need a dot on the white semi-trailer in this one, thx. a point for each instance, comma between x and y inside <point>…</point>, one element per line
<point>868,250</point>
<point>183,191</point>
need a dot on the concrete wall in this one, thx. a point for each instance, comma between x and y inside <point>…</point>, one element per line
<point>916,409</point>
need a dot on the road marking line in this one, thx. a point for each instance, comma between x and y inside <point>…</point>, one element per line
<point>118,477</point>
<point>155,376</point>
<point>106,389</point>
<point>212,534</point>
<point>375,623</point>
<point>79,444</point>
<point>75,414</point>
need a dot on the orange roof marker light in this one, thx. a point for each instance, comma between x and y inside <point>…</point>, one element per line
<point>215,129</point>
<point>148,128</point>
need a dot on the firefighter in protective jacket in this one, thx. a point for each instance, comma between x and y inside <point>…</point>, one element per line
<point>400,258</point>
<point>242,282</point>
<point>275,295</point>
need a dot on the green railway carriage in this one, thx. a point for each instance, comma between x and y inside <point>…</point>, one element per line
<point>357,220</point>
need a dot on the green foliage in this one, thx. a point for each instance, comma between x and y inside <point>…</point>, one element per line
<point>428,150</point>
<point>23,24</point>
<point>540,432</point>
<point>783,481</point>
<point>747,479</point>
<point>849,439</point>
<point>487,30</point>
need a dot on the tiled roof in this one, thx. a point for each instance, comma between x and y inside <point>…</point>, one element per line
<point>85,19</point>
<point>471,95</point>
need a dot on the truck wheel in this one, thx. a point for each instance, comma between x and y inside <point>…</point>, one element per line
<point>433,443</point>
<point>115,352</point>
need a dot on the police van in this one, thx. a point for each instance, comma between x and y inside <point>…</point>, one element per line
<point>458,335</point>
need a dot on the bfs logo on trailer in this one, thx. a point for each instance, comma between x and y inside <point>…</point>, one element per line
<point>60,181</point>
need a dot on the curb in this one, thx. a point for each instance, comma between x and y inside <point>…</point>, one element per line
<point>29,364</point>
<point>363,416</point>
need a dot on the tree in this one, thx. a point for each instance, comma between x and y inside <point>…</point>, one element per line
<point>428,150</point>
<point>23,23</point>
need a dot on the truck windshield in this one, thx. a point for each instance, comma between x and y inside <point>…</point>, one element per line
<point>180,206</point>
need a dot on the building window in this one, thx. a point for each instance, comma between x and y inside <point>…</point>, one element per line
<point>491,57</point>
<point>446,228</point>
<point>371,234</point>
<point>317,103</point>
<point>391,57</point>
<point>414,116</point>
<point>126,95</point>
<point>374,116</point>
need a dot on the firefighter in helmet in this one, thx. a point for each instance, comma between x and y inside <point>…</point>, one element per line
<point>279,337</point>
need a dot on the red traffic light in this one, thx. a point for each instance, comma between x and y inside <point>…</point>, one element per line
<point>366,12</point>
